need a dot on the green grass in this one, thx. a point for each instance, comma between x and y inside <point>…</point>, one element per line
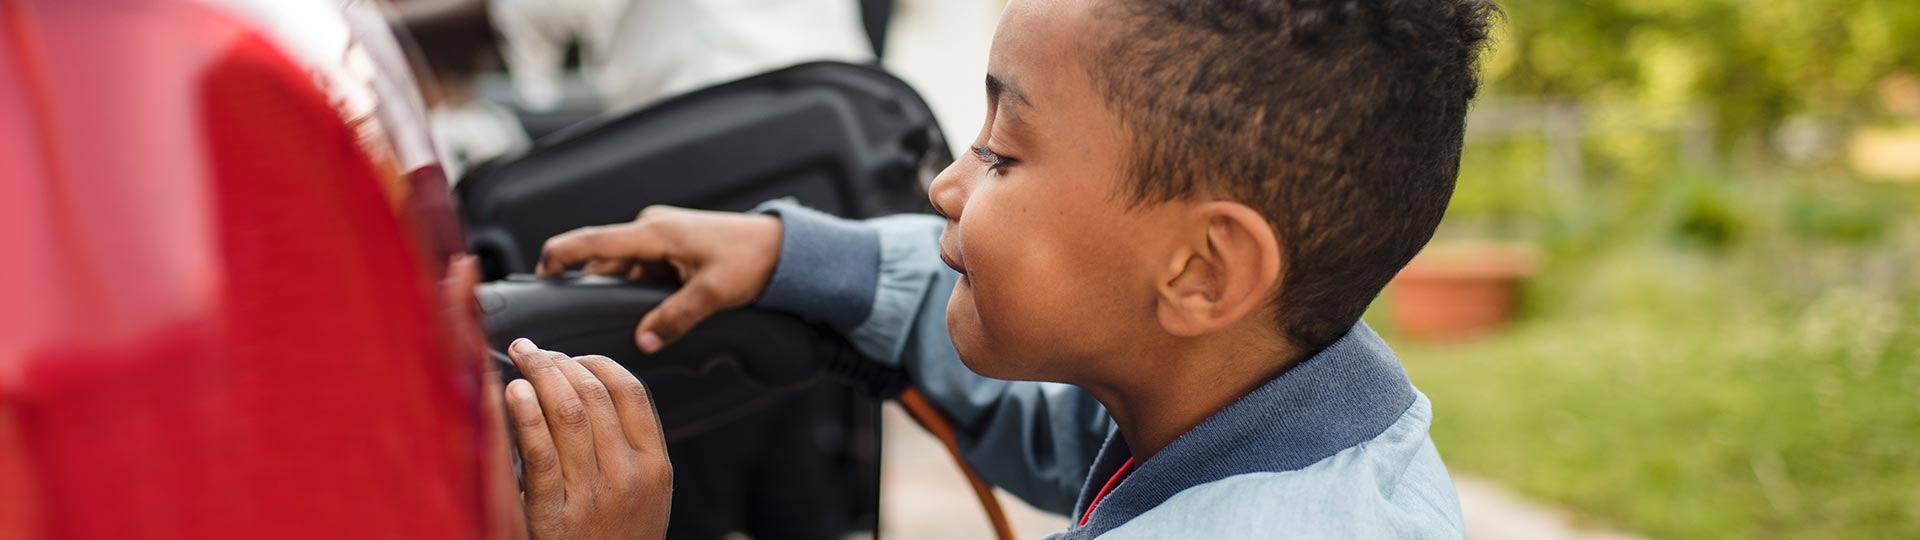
<point>1766,390</point>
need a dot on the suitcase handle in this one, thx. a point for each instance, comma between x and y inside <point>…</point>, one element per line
<point>597,315</point>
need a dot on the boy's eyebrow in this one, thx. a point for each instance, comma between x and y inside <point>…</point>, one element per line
<point>997,87</point>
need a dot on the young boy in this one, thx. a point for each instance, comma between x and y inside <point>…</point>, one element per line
<point>1178,208</point>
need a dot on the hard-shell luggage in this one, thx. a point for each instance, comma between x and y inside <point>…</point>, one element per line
<point>766,436</point>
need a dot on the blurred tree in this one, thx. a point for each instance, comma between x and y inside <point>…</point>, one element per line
<point>1754,63</point>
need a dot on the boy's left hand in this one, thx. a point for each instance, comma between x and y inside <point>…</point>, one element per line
<point>593,455</point>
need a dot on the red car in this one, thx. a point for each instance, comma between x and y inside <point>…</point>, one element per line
<point>220,320</point>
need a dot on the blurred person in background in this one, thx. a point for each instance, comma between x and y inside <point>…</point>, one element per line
<point>459,45</point>
<point>631,52</point>
<point>638,51</point>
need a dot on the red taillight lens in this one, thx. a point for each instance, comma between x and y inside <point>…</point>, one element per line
<point>226,328</point>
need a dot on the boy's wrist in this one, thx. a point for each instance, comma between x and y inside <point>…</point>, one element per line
<point>828,269</point>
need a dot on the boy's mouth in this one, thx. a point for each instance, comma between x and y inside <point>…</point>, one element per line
<point>950,251</point>
<point>945,258</point>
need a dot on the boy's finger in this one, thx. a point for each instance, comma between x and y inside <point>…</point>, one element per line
<point>566,413</point>
<point>677,313</point>
<point>539,460</point>
<point>608,267</point>
<point>632,241</point>
<point>609,439</point>
<point>641,422</point>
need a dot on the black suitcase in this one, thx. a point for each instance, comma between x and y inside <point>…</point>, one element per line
<point>763,440</point>
<point>846,139</point>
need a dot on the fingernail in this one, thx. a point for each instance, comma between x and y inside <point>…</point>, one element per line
<point>523,346</point>
<point>649,343</point>
<point>520,389</point>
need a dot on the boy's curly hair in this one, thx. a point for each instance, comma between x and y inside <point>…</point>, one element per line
<point>1341,121</point>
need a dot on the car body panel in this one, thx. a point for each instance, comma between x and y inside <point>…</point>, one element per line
<point>220,319</point>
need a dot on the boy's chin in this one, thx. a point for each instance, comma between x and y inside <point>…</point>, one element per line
<point>983,358</point>
<point>992,361</point>
<point>985,366</point>
<point>997,367</point>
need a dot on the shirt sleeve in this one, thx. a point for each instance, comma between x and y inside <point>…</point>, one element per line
<point>881,282</point>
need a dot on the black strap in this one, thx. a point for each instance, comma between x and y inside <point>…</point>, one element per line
<point>876,15</point>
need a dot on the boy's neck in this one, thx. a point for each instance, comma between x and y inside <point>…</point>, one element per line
<point>1169,390</point>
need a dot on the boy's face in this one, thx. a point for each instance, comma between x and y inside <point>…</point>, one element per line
<point>1059,270</point>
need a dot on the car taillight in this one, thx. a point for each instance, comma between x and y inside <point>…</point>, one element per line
<point>350,50</point>
<point>220,320</point>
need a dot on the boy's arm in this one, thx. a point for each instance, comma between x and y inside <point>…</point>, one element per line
<point>881,282</point>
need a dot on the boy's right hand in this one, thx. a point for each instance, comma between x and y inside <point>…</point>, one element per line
<point>723,260</point>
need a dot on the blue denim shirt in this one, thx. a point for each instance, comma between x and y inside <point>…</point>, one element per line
<point>1336,447</point>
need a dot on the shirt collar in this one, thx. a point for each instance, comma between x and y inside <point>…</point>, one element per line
<point>1345,395</point>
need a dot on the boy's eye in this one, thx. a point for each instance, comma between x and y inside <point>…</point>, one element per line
<point>995,162</point>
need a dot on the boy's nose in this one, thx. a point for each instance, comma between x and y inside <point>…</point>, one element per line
<point>948,191</point>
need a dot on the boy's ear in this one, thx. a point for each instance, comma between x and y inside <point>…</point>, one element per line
<point>1228,265</point>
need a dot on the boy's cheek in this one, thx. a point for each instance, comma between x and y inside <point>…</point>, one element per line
<point>967,326</point>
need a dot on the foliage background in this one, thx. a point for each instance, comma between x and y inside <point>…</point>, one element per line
<point>1720,344</point>
<point>1754,62</point>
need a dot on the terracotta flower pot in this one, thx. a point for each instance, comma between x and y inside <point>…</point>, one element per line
<point>1457,292</point>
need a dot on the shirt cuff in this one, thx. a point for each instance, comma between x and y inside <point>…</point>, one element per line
<point>911,296</point>
<point>829,267</point>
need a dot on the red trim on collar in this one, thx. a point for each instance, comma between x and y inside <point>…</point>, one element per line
<point>1118,475</point>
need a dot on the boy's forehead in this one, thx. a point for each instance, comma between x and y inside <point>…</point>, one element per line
<point>1042,44</point>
